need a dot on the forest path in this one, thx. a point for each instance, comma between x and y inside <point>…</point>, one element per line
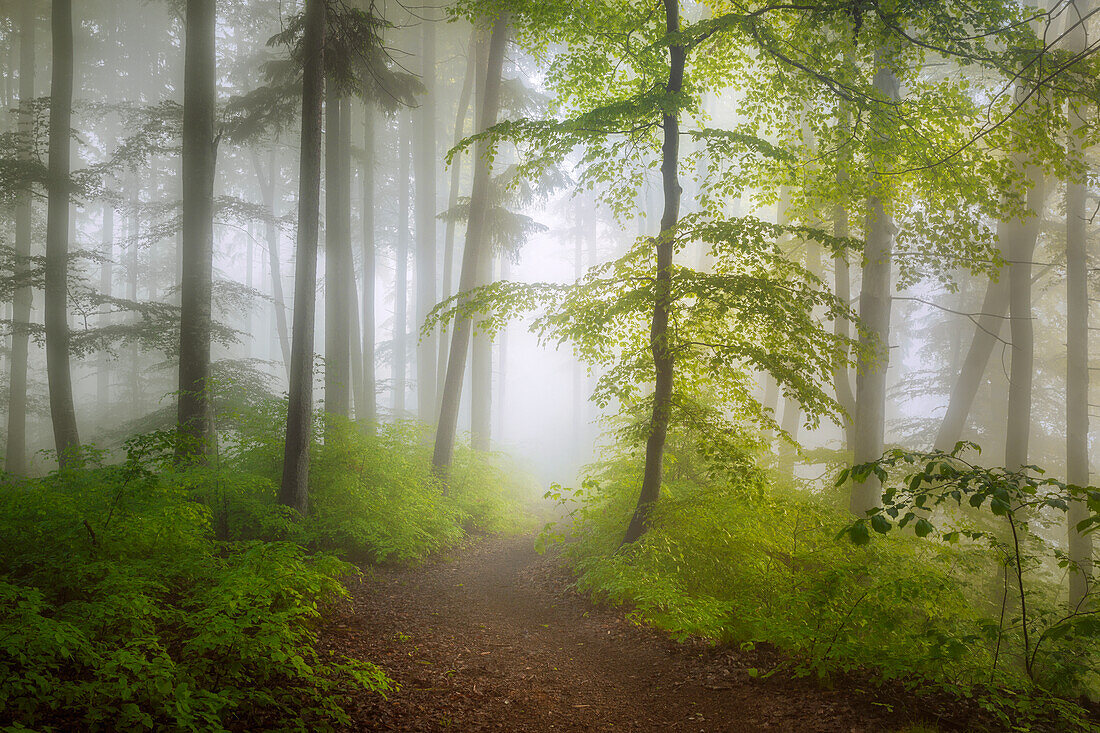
<point>495,640</point>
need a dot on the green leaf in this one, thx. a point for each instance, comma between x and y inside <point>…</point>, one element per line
<point>923,527</point>
<point>880,524</point>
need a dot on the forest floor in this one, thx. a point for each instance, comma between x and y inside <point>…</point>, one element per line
<point>494,638</point>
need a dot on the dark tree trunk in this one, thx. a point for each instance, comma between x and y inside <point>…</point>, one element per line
<point>16,452</point>
<point>472,255</point>
<point>426,289</point>
<point>659,343</point>
<point>58,371</point>
<point>452,199</point>
<point>401,275</point>
<point>195,413</point>
<point>369,410</point>
<point>294,489</point>
<point>337,257</point>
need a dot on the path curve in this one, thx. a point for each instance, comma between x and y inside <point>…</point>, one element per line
<point>495,640</point>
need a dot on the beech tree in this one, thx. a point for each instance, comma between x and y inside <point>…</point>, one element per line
<point>200,146</point>
<point>58,370</point>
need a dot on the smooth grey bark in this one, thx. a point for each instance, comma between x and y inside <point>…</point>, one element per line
<point>1077,324</point>
<point>1019,250</point>
<point>481,372</point>
<point>662,357</point>
<point>106,282</point>
<point>401,275</point>
<point>875,300</point>
<point>195,409</point>
<point>58,369</point>
<point>475,249</point>
<point>369,409</point>
<point>987,331</point>
<point>842,289</point>
<point>427,356</point>
<point>268,193</point>
<point>337,261</point>
<point>464,96</point>
<point>16,449</point>
<point>294,488</point>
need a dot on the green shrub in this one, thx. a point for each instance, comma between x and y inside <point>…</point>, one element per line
<point>118,609</point>
<point>734,557</point>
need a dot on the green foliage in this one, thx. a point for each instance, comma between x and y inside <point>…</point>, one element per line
<point>732,556</point>
<point>119,609</point>
<point>373,496</point>
<point>141,596</point>
<point>1060,644</point>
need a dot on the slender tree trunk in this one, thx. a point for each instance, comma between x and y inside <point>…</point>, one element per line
<point>502,360</point>
<point>875,300</point>
<point>474,251</point>
<point>481,373</point>
<point>271,231</point>
<point>842,289</point>
<point>452,199</point>
<point>58,372</point>
<point>199,159</point>
<point>401,276</point>
<point>1019,250</point>
<point>662,355</point>
<point>134,232</point>
<point>578,375</point>
<point>106,282</point>
<point>987,331</point>
<point>16,450</point>
<point>369,410</point>
<point>294,489</point>
<point>1077,326</point>
<point>425,152</point>
<point>337,254</point>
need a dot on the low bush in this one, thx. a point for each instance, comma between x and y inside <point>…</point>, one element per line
<point>734,557</point>
<point>119,610</point>
<point>135,594</point>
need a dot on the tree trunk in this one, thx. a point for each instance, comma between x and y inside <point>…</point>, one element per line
<point>474,251</point>
<point>986,333</point>
<point>452,199</point>
<point>842,289</point>
<point>58,372</point>
<point>294,489</point>
<point>662,356</point>
<point>502,360</point>
<point>369,410</point>
<point>106,281</point>
<point>425,153</point>
<point>401,275</point>
<point>1077,326</point>
<point>875,300</point>
<point>481,372</point>
<point>16,449</point>
<point>271,230</point>
<point>195,413</point>
<point>1019,250</point>
<point>337,255</point>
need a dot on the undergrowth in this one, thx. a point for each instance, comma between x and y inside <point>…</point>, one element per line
<point>734,556</point>
<point>135,595</point>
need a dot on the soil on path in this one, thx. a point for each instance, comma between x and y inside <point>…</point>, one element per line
<point>495,640</point>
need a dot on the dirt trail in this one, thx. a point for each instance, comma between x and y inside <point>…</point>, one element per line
<point>495,640</point>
